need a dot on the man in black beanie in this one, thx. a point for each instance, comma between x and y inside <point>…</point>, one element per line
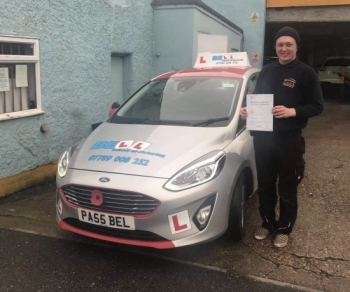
<point>279,154</point>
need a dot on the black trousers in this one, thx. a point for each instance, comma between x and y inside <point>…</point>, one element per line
<point>279,157</point>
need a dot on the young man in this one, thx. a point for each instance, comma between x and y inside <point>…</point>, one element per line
<point>279,154</point>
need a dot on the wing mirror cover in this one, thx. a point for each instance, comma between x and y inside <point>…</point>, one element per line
<point>113,109</point>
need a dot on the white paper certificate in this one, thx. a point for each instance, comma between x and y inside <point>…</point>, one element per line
<point>21,76</point>
<point>259,109</point>
<point>4,79</point>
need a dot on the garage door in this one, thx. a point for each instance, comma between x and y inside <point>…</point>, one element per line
<point>324,33</point>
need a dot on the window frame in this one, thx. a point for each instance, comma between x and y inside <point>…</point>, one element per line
<point>242,123</point>
<point>20,59</point>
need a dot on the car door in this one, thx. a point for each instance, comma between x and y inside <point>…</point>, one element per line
<point>240,152</point>
<point>246,140</point>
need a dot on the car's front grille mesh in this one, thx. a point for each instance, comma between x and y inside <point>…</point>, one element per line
<point>113,200</point>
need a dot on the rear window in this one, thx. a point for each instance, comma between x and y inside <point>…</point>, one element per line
<point>337,63</point>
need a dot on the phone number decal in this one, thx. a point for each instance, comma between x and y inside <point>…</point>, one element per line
<point>120,159</point>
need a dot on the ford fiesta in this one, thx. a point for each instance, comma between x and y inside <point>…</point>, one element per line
<point>173,166</point>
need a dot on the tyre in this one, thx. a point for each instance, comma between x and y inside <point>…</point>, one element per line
<point>237,217</point>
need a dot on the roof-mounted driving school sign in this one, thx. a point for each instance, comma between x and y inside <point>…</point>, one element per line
<point>209,60</point>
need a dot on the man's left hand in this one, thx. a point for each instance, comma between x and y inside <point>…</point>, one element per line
<point>281,111</point>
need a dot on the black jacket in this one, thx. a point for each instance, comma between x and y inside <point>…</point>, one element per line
<point>294,85</point>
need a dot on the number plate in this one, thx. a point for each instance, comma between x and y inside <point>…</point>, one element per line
<point>107,220</point>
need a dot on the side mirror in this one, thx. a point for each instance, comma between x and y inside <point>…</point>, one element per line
<point>114,107</point>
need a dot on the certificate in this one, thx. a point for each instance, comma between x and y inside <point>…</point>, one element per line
<point>259,109</point>
<point>21,76</point>
<point>4,79</point>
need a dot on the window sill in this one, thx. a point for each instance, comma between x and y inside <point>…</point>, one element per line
<point>21,114</point>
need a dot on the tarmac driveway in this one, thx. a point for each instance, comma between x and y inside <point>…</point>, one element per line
<point>318,255</point>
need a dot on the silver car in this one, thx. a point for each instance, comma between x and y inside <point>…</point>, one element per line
<point>173,166</point>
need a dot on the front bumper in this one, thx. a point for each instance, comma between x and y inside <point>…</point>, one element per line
<point>156,229</point>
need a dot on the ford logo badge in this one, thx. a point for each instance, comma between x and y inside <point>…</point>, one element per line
<point>104,179</point>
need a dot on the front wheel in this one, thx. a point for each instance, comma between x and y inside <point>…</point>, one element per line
<point>237,217</point>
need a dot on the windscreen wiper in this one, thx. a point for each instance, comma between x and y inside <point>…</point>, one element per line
<point>210,121</point>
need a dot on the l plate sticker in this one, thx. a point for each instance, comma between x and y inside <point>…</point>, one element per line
<point>179,222</point>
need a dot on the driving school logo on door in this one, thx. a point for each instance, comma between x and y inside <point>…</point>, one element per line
<point>289,82</point>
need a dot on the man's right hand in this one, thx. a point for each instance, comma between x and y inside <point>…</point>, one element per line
<point>243,112</point>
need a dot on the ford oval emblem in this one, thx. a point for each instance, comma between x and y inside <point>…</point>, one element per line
<point>104,179</point>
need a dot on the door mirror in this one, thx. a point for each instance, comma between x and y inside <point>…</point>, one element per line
<point>114,107</point>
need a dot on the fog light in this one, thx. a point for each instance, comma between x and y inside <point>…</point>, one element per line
<point>203,215</point>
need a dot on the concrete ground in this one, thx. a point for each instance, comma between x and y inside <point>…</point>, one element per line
<point>318,255</point>
<point>66,266</point>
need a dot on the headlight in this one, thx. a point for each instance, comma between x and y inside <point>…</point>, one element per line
<point>63,164</point>
<point>197,174</point>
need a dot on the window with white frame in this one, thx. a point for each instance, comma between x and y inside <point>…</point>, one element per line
<point>20,93</point>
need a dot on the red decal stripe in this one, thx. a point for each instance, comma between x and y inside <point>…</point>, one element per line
<point>154,244</point>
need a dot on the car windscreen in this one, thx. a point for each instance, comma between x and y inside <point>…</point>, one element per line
<point>337,63</point>
<point>190,101</point>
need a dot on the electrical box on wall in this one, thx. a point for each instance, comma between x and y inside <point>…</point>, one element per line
<point>182,29</point>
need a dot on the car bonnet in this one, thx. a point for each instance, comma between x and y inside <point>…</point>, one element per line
<point>147,150</point>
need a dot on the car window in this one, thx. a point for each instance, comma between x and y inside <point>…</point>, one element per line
<point>249,90</point>
<point>337,63</point>
<point>251,84</point>
<point>189,99</point>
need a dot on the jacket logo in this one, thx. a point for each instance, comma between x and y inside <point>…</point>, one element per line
<point>290,82</point>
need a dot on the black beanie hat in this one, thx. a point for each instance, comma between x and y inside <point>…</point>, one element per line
<point>288,31</point>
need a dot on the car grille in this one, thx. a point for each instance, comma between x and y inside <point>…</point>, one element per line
<point>120,233</point>
<point>113,200</point>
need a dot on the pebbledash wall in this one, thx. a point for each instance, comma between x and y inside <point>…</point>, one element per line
<point>77,39</point>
